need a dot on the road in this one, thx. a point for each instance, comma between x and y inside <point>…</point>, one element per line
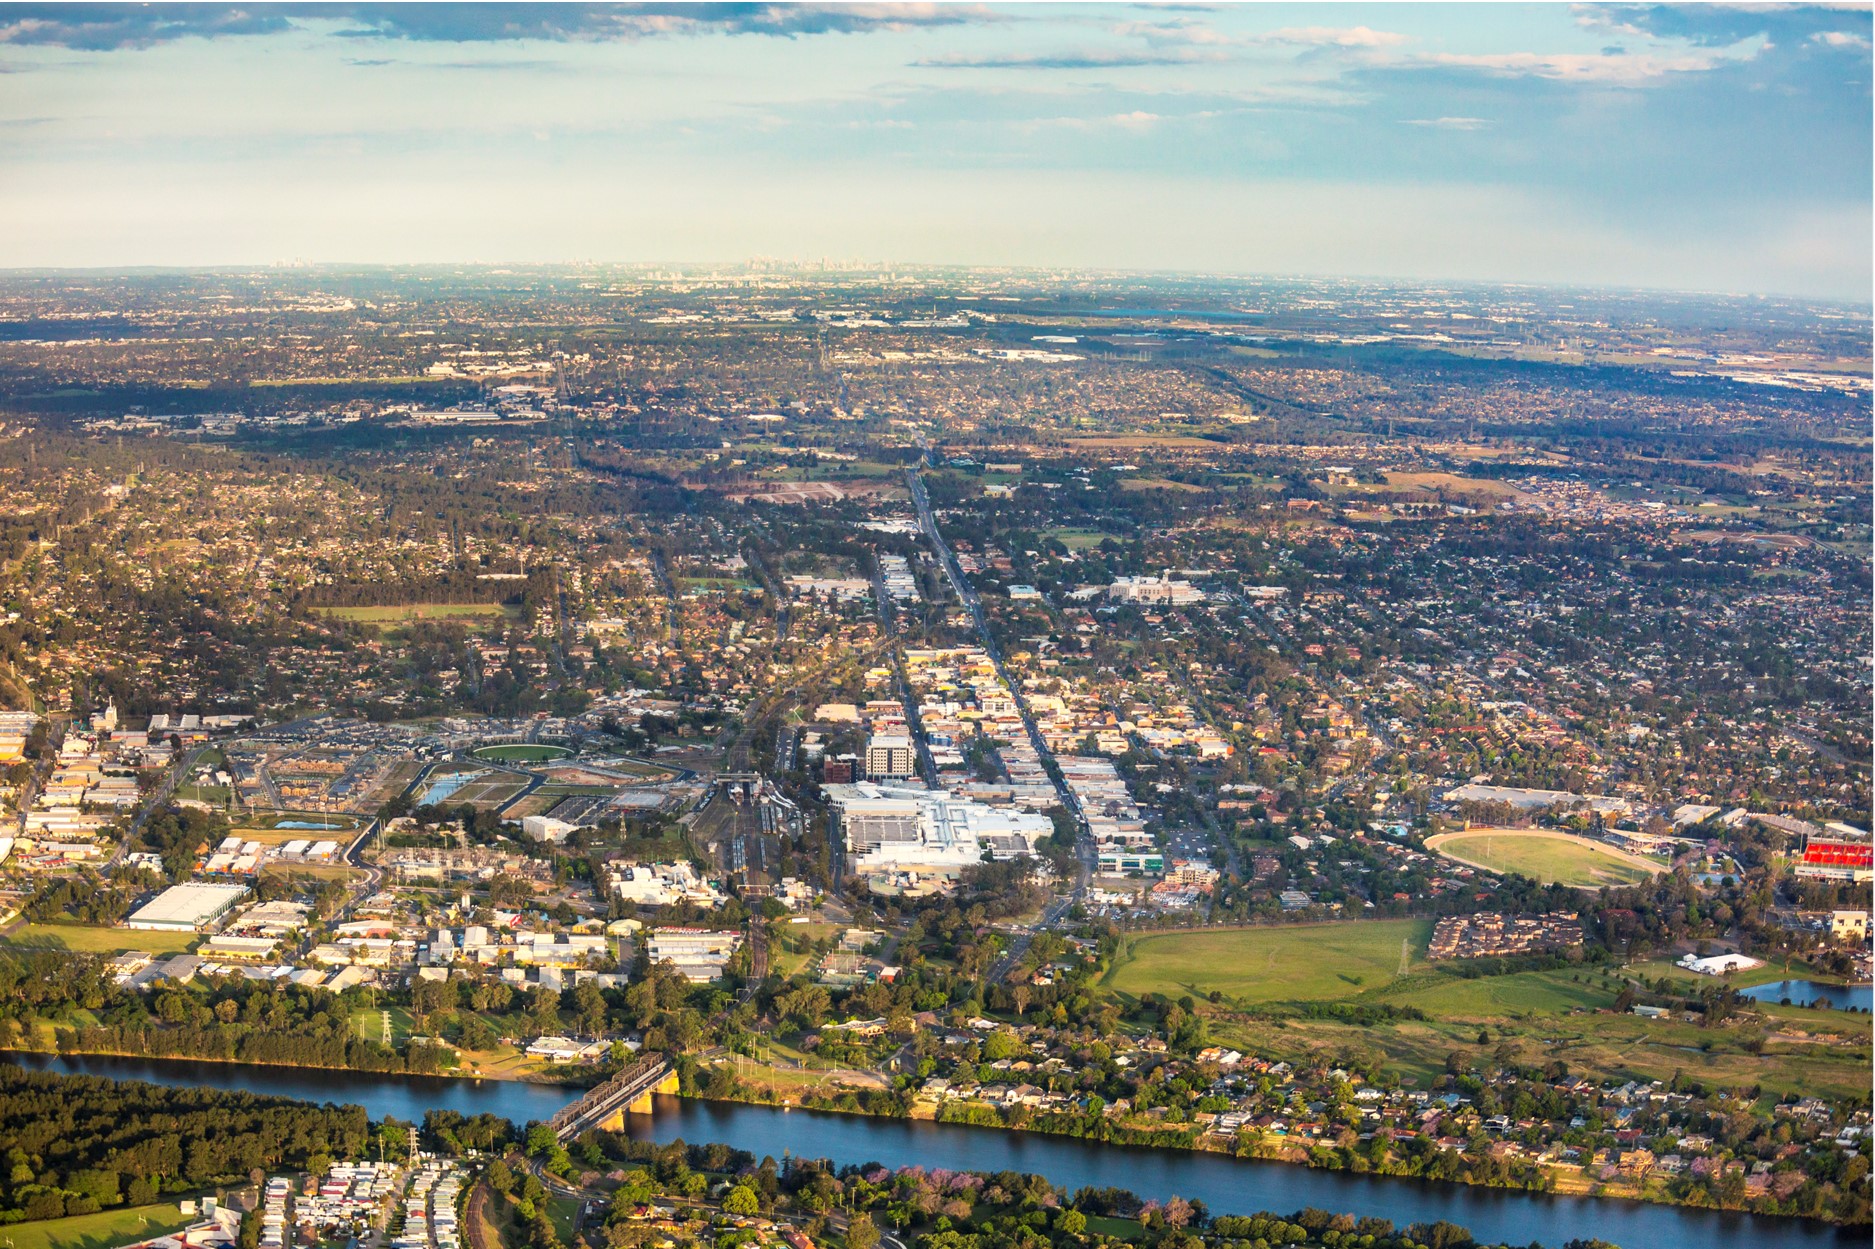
<point>887,614</point>
<point>29,793</point>
<point>158,797</point>
<point>1084,844</point>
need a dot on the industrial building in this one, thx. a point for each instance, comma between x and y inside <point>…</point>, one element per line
<point>186,908</point>
<point>699,954</point>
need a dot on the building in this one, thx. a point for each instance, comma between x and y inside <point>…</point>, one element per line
<point>1539,799</point>
<point>890,757</point>
<point>1849,926</point>
<point>187,908</point>
<point>663,884</point>
<point>546,828</point>
<point>1489,934</point>
<point>1131,863</point>
<point>247,948</point>
<point>1159,591</point>
<point>1831,856</point>
<point>700,955</point>
<point>1719,964</point>
<point>891,828</point>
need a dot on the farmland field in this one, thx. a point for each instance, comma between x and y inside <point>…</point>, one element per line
<point>97,1231</point>
<point>1304,962</point>
<point>1549,858</point>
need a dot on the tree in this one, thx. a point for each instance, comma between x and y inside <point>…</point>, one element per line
<point>742,1200</point>
<point>544,1011</point>
<point>860,1232</point>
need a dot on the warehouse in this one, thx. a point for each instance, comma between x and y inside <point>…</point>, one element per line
<point>699,955</point>
<point>184,908</point>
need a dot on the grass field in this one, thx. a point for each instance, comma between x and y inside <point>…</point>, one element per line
<point>1077,539</point>
<point>312,871</point>
<point>1159,483</point>
<point>1549,858</point>
<point>408,612</point>
<point>1564,1013</point>
<point>522,752</point>
<point>563,1211</point>
<point>1454,483</point>
<point>1137,442</point>
<point>485,795</point>
<point>368,1023</point>
<point>96,939</point>
<point>1304,962</point>
<point>96,1231</point>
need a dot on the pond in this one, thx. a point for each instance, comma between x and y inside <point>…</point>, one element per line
<point>1809,992</point>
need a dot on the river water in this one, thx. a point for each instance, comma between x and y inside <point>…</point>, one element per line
<point>1225,1185</point>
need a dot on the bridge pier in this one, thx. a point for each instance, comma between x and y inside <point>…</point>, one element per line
<point>606,1106</point>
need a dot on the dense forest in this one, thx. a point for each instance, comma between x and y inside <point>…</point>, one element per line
<point>77,1144</point>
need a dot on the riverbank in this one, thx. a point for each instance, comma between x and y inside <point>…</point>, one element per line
<point>573,1086</point>
<point>1531,1177</point>
<point>1521,1176</point>
<point>876,1103</point>
<point>1225,1184</point>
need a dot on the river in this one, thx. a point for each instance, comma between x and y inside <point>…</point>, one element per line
<point>1225,1185</point>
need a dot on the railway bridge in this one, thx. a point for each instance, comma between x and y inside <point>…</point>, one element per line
<point>605,1105</point>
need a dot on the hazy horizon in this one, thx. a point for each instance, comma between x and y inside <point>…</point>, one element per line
<point>1694,149</point>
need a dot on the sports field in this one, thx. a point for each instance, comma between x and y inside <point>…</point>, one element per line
<point>1549,858</point>
<point>97,1231</point>
<point>405,613</point>
<point>1303,962</point>
<point>522,752</point>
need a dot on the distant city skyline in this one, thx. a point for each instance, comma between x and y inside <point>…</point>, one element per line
<point>1687,147</point>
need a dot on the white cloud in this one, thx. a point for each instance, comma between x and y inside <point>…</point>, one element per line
<point>1138,119</point>
<point>1334,37</point>
<point>1159,34</point>
<point>1840,39</point>
<point>1448,123</point>
<point>1588,67</point>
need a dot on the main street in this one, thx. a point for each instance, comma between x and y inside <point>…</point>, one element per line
<point>967,595</point>
<point>159,796</point>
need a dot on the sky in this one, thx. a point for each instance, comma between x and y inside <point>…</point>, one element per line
<point>1693,147</point>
